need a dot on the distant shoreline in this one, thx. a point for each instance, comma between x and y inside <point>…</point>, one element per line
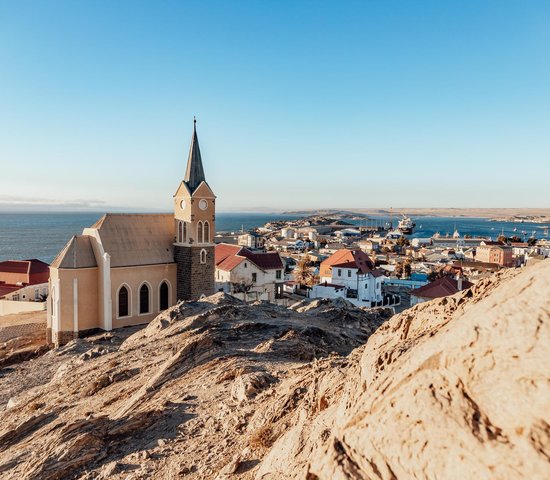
<point>501,214</point>
<point>433,212</point>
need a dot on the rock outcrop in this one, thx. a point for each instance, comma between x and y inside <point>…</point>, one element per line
<point>455,388</point>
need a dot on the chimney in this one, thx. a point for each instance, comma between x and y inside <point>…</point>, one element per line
<point>459,282</point>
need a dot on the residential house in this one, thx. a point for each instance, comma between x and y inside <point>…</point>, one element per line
<point>350,274</point>
<point>24,280</point>
<point>442,287</point>
<point>368,245</point>
<point>287,245</point>
<point>495,252</point>
<point>251,240</point>
<point>331,248</point>
<point>247,274</point>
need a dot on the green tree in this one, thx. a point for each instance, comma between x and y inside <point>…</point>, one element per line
<point>407,269</point>
<point>403,242</point>
<point>399,270</point>
<point>303,272</point>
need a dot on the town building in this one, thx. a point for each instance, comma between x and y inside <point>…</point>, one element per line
<point>126,268</point>
<point>349,274</point>
<point>249,275</point>
<point>495,252</point>
<point>286,245</point>
<point>455,241</point>
<point>251,240</point>
<point>368,245</point>
<point>24,280</point>
<point>442,287</point>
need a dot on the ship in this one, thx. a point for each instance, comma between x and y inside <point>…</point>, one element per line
<point>406,225</point>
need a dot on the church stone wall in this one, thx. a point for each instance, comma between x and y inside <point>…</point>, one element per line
<point>194,278</point>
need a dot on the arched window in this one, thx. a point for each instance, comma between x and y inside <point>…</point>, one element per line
<point>144,299</point>
<point>182,231</point>
<point>206,238</point>
<point>199,233</point>
<point>203,256</point>
<point>163,296</point>
<point>123,302</point>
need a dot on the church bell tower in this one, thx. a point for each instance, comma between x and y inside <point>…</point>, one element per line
<point>194,212</point>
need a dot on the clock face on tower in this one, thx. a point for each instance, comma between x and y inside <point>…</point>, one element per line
<point>182,204</point>
<point>203,204</point>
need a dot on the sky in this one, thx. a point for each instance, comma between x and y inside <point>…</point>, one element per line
<point>299,104</point>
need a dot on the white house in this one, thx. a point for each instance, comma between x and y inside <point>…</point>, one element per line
<point>286,245</point>
<point>350,274</point>
<point>249,275</point>
<point>251,240</point>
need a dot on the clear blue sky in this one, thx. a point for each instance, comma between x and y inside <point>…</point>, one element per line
<point>299,104</point>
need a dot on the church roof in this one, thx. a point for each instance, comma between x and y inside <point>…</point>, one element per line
<point>133,239</point>
<point>77,253</point>
<point>194,174</point>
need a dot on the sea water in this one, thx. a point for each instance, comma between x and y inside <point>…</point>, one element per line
<point>43,235</point>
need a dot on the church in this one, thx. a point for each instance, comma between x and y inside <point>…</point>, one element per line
<point>127,268</point>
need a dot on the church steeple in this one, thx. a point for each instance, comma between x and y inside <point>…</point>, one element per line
<point>195,227</point>
<point>194,174</point>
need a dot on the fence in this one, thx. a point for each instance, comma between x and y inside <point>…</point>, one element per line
<point>8,307</point>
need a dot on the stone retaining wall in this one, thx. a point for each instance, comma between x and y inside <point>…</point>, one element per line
<point>13,331</point>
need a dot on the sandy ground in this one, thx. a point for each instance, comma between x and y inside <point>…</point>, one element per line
<point>22,318</point>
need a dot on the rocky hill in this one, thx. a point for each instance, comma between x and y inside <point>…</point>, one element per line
<point>455,388</point>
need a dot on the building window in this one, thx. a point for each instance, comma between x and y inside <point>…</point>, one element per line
<point>199,232</point>
<point>206,233</point>
<point>339,272</point>
<point>203,256</point>
<point>123,302</point>
<point>349,273</point>
<point>164,292</point>
<point>144,299</point>
<point>182,232</point>
<point>245,265</point>
<point>254,277</point>
<point>278,274</point>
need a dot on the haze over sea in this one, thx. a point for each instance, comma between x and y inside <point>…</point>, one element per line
<point>43,235</point>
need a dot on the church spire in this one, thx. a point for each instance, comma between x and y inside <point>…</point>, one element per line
<point>194,174</point>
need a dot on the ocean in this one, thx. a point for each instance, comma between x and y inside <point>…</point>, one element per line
<point>43,235</point>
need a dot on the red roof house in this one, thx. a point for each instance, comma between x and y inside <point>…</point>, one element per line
<point>229,256</point>
<point>348,259</point>
<point>442,287</point>
<point>15,274</point>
